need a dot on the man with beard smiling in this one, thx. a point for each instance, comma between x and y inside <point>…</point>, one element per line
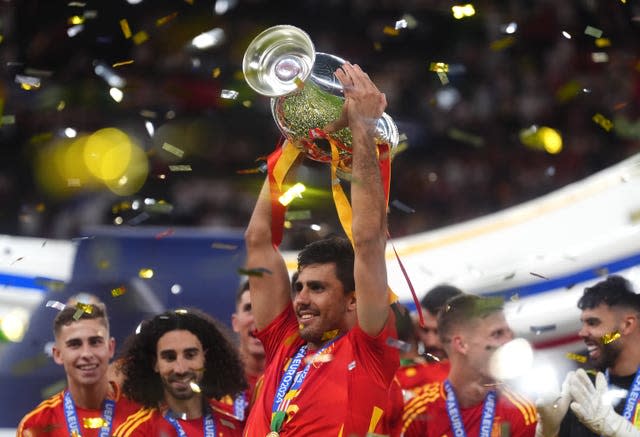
<point>611,332</point>
<point>328,362</point>
<point>176,365</point>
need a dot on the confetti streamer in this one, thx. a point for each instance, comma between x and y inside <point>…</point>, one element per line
<point>180,168</point>
<point>593,31</point>
<point>55,304</point>
<point>173,150</point>
<point>121,63</point>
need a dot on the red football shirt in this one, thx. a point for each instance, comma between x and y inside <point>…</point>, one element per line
<point>413,377</point>
<point>341,397</point>
<point>48,418</point>
<point>426,415</point>
<point>149,422</point>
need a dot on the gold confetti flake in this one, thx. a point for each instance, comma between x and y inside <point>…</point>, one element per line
<point>194,387</point>
<point>391,31</point>
<point>439,67</point>
<point>121,63</point>
<point>126,30</point>
<point>247,103</point>
<point>610,337</point>
<point>173,150</point>
<point>603,42</point>
<point>377,46</point>
<point>502,43</point>
<point>216,72</point>
<point>576,357</point>
<point>76,19</point>
<point>328,335</point>
<point>164,20</point>
<point>145,273</point>
<point>94,422</point>
<point>603,122</point>
<point>140,37</point>
<point>118,291</point>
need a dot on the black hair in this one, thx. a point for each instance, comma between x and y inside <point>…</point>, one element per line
<point>434,300</point>
<point>224,373</point>
<point>337,250</point>
<point>243,287</point>
<point>615,291</point>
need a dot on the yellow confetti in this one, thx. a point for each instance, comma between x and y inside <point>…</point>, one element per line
<point>568,91</point>
<point>391,31</point>
<point>118,291</point>
<point>576,357</point>
<point>216,72</point>
<point>377,46</point>
<point>603,122</point>
<point>126,30</point>
<point>462,11</point>
<point>246,103</point>
<point>611,337</point>
<point>173,149</point>
<point>502,43</point>
<point>299,83</point>
<point>121,63</point>
<point>603,42</point>
<point>164,20</point>
<point>94,422</point>
<point>330,334</point>
<point>195,387</point>
<point>291,193</point>
<point>439,67</point>
<point>76,19</point>
<point>140,37</point>
<point>145,273</point>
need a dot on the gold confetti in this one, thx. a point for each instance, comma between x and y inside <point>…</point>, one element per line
<point>140,37</point>
<point>145,273</point>
<point>391,31</point>
<point>76,19</point>
<point>502,43</point>
<point>195,387</point>
<point>377,46</point>
<point>593,31</point>
<point>576,357</point>
<point>126,30</point>
<point>184,167</point>
<point>611,337</point>
<point>568,91</point>
<point>295,191</point>
<point>173,150</point>
<point>328,335</point>
<point>299,83</point>
<point>118,291</point>
<point>164,20</point>
<point>216,72</point>
<point>121,63</point>
<point>439,67</point>
<point>94,422</point>
<point>603,122</point>
<point>603,42</point>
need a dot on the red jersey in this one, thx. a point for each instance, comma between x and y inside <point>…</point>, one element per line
<point>415,376</point>
<point>396,406</point>
<point>48,419</point>
<point>150,422</point>
<point>344,395</point>
<point>240,405</point>
<point>426,415</point>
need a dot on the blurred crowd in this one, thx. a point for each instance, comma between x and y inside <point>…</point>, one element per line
<point>512,65</point>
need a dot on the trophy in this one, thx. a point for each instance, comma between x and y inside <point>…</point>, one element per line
<point>281,63</point>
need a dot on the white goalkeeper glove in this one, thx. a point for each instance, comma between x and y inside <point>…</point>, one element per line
<point>552,407</point>
<point>593,409</point>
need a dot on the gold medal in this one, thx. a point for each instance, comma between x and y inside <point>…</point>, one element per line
<point>273,434</point>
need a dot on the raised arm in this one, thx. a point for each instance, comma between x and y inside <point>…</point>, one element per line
<point>269,288</point>
<point>364,106</point>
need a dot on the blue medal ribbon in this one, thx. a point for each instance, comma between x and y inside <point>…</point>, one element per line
<point>632,396</point>
<point>292,381</point>
<point>239,405</point>
<point>457,426</point>
<point>71,416</point>
<point>209,425</point>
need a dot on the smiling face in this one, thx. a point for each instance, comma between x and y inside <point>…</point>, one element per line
<point>243,324</point>
<point>597,324</point>
<point>321,304</point>
<point>84,349</point>
<point>179,362</point>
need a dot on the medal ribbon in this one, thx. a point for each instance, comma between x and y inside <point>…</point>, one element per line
<point>632,396</point>
<point>71,416</point>
<point>290,385</point>
<point>239,405</point>
<point>208,425</point>
<point>457,426</point>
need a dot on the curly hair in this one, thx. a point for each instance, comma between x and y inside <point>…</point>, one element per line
<point>615,291</point>
<point>223,375</point>
<point>337,250</point>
